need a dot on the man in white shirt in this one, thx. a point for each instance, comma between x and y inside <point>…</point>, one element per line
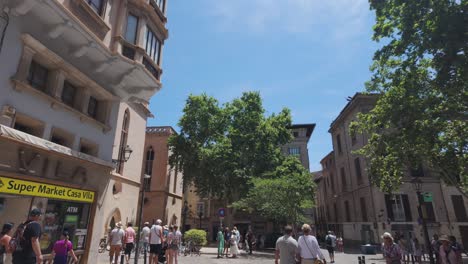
<point>145,232</point>
<point>116,239</point>
<point>156,239</point>
<point>308,247</point>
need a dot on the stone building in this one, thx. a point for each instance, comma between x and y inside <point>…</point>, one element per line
<point>76,77</point>
<point>352,207</point>
<point>203,212</point>
<point>163,187</point>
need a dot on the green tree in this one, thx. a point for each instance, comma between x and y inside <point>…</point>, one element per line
<point>221,147</point>
<point>282,194</point>
<point>421,76</point>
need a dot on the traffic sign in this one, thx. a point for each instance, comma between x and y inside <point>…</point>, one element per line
<point>427,197</point>
<point>221,212</point>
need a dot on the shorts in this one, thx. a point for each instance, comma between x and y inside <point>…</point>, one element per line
<point>155,249</point>
<point>331,249</point>
<point>115,249</point>
<point>129,248</point>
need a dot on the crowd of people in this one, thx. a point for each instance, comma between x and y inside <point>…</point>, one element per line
<point>233,241</point>
<point>163,242</point>
<point>23,247</point>
<point>446,250</point>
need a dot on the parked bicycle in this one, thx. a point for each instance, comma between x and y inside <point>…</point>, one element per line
<point>103,245</point>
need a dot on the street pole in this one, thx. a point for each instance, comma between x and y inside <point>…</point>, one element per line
<point>200,216</point>
<point>424,225</point>
<point>140,216</point>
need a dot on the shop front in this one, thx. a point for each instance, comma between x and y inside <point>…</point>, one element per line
<point>64,209</point>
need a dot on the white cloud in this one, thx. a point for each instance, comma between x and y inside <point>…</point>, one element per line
<point>338,18</point>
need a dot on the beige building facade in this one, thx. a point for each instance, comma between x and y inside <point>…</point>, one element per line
<point>163,185</point>
<point>348,204</point>
<point>76,77</point>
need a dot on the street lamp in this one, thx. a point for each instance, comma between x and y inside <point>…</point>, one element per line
<point>127,152</point>
<point>417,185</point>
<point>140,216</point>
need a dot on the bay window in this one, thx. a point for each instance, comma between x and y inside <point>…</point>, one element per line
<point>152,45</point>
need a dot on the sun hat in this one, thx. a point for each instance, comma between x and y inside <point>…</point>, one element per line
<point>387,234</point>
<point>119,224</point>
<point>444,238</point>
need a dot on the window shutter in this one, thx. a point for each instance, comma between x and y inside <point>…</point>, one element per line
<point>406,206</point>
<point>388,203</point>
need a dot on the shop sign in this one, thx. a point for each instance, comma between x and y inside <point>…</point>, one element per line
<point>28,188</point>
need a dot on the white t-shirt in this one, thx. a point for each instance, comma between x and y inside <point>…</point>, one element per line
<point>156,231</point>
<point>309,247</point>
<point>117,235</point>
<point>145,233</point>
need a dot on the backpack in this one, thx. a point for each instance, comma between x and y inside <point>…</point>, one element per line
<point>328,240</point>
<point>17,242</point>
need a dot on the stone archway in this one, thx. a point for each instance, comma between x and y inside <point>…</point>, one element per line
<point>112,219</point>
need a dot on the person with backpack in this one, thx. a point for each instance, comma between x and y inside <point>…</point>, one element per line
<point>25,242</point>
<point>330,240</point>
<point>61,249</point>
<point>5,251</point>
<point>447,253</point>
<point>116,239</point>
<point>173,240</point>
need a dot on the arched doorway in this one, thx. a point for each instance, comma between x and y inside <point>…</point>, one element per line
<point>112,219</point>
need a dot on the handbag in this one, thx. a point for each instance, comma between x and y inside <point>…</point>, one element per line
<point>316,261</point>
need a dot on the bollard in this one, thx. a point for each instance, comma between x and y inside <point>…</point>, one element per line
<point>144,255</point>
<point>122,257</point>
<point>363,259</point>
<point>359,260</point>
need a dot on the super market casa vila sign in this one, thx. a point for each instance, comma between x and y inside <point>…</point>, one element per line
<point>28,188</point>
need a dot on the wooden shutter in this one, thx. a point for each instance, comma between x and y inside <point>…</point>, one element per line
<point>406,207</point>
<point>388,203</point>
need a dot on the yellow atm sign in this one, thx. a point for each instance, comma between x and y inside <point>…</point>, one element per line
<point>28,188</point>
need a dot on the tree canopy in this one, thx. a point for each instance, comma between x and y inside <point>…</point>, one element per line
<point>420,74</point>
<point>221,147</point>
<point>281,195</point>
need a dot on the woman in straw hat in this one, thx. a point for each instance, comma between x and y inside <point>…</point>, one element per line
<point>391,251</point>
<point>446,252</point>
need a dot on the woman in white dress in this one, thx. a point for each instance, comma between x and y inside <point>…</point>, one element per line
<point>233,242</point>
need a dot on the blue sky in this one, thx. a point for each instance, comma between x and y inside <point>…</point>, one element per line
<point>307,55</point>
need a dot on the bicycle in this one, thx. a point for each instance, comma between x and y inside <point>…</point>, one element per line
<point>103,245</point>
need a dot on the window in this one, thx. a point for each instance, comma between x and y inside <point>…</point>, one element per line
<point>343,179</point>
<point>158,4</point>
<point>93,107</point>
<point>128,52</point>
<point>348,213</point>
<point>353,137</point>
<point>149,168</point>
<point>338,143</point>
<point>152,45</point>
<point>357,166</point>
<point>201,209</point>
<point>332,182</point>
<point>28,125</point>
<point>61,137</point>
<point>96,5</point>
<point>37,76</point>
<point>131,30</point>
<point>336,212</point>
<point>68,94</point>
<point>294,151</point>
<point>123,141</point>
<point>459,208</point>
<point>417,172</point>
<point>363,209</point>
<point>88,147</point>
<point>296,134</point>
<point>398,208</point>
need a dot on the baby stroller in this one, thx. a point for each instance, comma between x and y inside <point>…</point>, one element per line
<point>162,255</point>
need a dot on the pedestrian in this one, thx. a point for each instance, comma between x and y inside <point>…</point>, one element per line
<point>30,252</point>
<point>286,248</point>
<point>5,250</point>
<point>250,240</point>
<point>145,236</point>
<point>116,239</point>
<point>233,243</point>
<point>156,239</point>
<point>129,240</point>
<point>340,243</point>
<point>237,233</point>
<point>417,250</point>
<point>62,248</point>
<point>404,246</point>
<point>308,251</point>
<point>447,253</point>
<point>435,244</point>
<point>390,250</point>
<point>330,241</point>
<point>227,239</point>
<point>173,240</point>
<point>457,247</point>
<point>220,239</point>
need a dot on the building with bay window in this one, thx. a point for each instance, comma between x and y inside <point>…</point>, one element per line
<point>350,205</point>
<point>76,77</point>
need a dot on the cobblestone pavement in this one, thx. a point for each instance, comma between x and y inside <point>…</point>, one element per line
<point>209,256</point>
